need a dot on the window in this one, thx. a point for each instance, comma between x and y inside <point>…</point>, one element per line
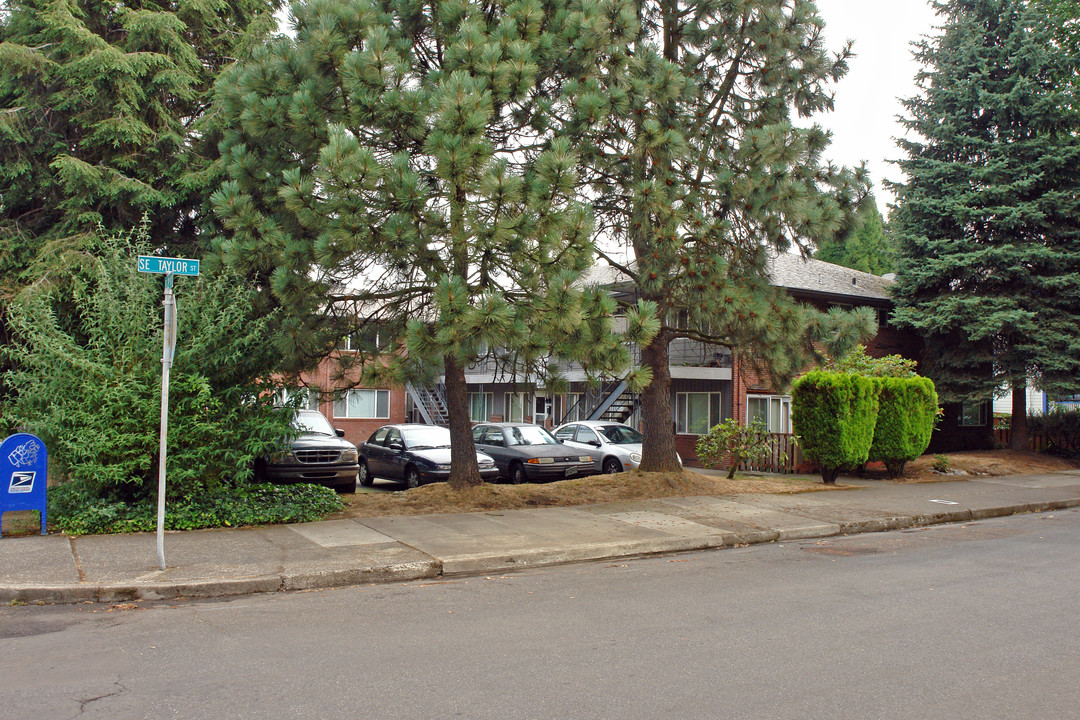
<point>369,338</point>
<point>695,413</point>
<point>363,404</point>
<point>773,410</point>
<point>480,406</point>
<point>306,398</point>
<point>566,432</point>
<point>514,409</point>
<point>569,408</point>
<point>973,414</point>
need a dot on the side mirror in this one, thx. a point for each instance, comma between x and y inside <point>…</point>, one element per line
<point>339,432</point>
<point>396,445</point>
<point>594,443</point>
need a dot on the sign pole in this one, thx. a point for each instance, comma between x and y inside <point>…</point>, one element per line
<point>169,345</point>
<point>170,268</point>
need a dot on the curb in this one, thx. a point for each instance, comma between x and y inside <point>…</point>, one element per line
<point>488,563</point>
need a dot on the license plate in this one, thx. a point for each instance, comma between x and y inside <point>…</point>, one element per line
<point>571,471</point>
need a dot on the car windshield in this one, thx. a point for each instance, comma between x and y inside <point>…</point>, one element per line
<point>313,422</point>
<point>419,438</point>
<point>530,435</point>
<point>621,434</point>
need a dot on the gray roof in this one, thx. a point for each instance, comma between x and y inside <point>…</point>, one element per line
<point>792,272</point>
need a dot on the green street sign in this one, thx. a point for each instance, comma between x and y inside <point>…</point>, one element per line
<point>168,266</point>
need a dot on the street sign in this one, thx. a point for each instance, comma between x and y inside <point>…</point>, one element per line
<point>23,474</point>
<point>168,266</point>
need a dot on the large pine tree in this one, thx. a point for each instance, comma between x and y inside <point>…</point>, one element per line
<point>413,164</point>
<point>866,247</point>
<point>700,174</point>
<point>988,221</point>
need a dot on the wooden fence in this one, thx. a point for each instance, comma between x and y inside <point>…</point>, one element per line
<point>1041,442</point>
<point>784,455</point>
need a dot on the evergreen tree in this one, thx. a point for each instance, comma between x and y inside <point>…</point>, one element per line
<point>866,248</point>
<point>103,121</point>
<point>988,221</point>
<point>700,175</point>
<point>412,164</point>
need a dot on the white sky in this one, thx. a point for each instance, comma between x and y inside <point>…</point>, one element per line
<point>864,123</point>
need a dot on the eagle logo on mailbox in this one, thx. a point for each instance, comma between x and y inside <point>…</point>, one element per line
<point>21,482</point>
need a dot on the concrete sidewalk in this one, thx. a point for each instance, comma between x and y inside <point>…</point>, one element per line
<point>210,563</point>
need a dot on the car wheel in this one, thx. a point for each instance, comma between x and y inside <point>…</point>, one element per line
<point>366,478</point>
<point>517,474</point>
<point>612,466</point>
<point>412,477</point>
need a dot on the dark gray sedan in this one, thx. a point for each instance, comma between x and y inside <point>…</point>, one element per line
<point>412,454</point>
<point>525,452</point>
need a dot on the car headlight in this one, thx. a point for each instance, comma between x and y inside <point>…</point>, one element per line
<point>636,457</point>
<point>443,466</point>
<point>540,461</point>
<point>585,458</point>
<point>487,465</point>
<point>349,455</point>
<point>279,457</point>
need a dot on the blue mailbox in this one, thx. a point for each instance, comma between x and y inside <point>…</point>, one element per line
<point>23,474</point>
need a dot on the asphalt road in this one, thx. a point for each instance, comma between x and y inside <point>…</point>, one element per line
<point>961,621</point>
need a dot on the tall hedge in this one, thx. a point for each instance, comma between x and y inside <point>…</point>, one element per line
<point>906,414</point>
<point>833,415</point>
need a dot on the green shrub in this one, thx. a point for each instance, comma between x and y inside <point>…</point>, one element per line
<point>743,443</point>
<point>833,414</point>
<point>907,411</point>
<point>76,511</point>
<point>86,350</point>
<point>1061,427</point>
<point>941,463</point>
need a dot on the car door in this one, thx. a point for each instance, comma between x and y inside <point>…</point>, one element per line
<point>374,452</point>
<point>395,455</point>
<point>492,442</point>
<point>565,434</point>
<point>586,438</point>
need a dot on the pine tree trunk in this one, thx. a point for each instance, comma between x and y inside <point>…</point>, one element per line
<point>1019,438</point>
<point>658,452</point>
<point>464,472</point>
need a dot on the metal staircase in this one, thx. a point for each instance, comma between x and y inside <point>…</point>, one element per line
<point>613,402</point>
<point>431,402</point>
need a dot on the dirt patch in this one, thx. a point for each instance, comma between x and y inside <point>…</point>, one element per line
<point>983,463</point>
<point>626,486</point>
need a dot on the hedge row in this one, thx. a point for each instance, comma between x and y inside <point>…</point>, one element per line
<point>843,419</point>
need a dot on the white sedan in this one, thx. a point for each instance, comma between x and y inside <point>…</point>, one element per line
<point>619,445</point>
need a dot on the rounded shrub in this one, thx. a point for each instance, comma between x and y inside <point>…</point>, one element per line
<point>833,414</point>
<point>907,411</point>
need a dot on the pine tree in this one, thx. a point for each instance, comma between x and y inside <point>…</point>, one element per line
<point>866,247</point>
<point>701,174</point>
<point>988,221</point>
<point>412,164</point>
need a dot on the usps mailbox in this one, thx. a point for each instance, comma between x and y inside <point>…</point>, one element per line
<point>23,464</point>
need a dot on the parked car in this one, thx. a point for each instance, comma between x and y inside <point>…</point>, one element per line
<point>319,455</point>
<point>526,452</point>
<point>413,454</point>
<point>619,445</point>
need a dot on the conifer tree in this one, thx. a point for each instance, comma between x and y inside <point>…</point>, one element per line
<point>701,174</point>
<point>866,247</point>
<point>988,221</point>
<point>103,122</point>
<point>412,164</point>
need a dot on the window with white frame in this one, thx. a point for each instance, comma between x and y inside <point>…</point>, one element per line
<point>973,414</point>
<point>569,407</point>
<point>774,411</point>
<point>480,406</point>
<point>368,404</point>
<point>696,412</point>
<point>370,338</point>
<point>516,404</point>
<point>305,398</point>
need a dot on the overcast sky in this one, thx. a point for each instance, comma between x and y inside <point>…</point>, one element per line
<point>867,99</point>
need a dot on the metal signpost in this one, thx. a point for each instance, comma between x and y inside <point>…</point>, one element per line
<point>170,267</point>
